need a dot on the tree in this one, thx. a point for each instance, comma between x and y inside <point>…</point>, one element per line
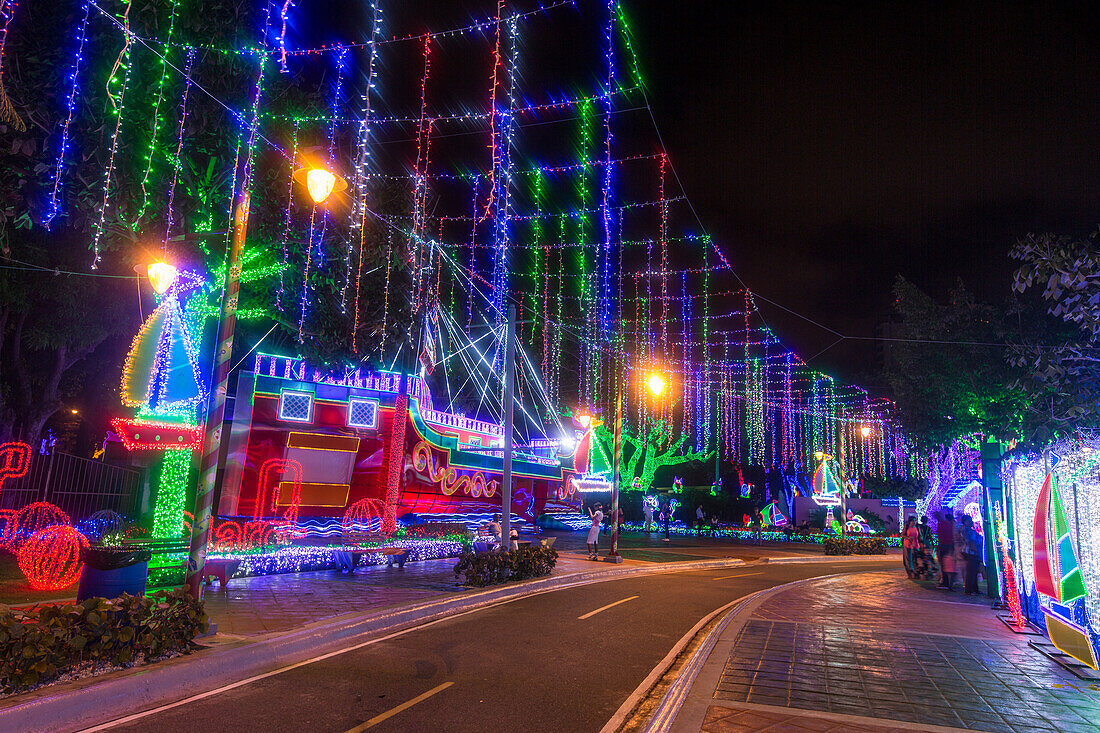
<point>1061,370</point>
<point>947,370</point>
<point>645,455</point>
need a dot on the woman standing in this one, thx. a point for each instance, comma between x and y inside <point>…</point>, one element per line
<point>594,532</point>
<point>946,534</point>
<point>910,542</point>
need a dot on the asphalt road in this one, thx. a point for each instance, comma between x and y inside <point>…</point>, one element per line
<point>550,662</point>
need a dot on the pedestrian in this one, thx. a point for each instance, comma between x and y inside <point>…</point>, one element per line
<point>972,553</point>
<point>594,532</point>
<point>910,543</point>
<point>493,529</point>
<point>945,552</point>
<point>757,526</point>
<point>699,516</point>
<point>667,518</point>
<point>647,509</point>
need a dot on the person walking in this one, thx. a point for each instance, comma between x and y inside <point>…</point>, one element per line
<point>594,532</point>
<point>945,552</point>
<point>699,517</point>
<point>972,553</point>
<point>667,518</point>
<point>647,509</point>
<point>910,543</point>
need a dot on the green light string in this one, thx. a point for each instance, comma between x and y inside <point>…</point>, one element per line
<point>151,153</point>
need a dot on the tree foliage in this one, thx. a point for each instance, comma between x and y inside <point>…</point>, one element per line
<point>948,371</point>
<point>642,456</point>
<point>1061,371</point>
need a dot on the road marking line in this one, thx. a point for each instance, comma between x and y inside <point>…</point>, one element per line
<point>742,575</point>
<point>590,614</point>
<point>403,706</point>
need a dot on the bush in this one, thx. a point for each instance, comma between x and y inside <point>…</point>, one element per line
<point>839,545</point>
<point>871,546</point>
<point>38,646</point>
<point>480,569</point>
<point>854,545</point>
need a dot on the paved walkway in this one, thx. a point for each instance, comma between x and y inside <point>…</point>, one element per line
<point>876,651</point>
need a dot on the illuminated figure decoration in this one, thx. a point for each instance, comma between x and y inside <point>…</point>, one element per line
<point>772,515</point>
<point>649,506</point>
<point>593,470</point>
<point>161,380</point>
<point>826,486</point>
<point>678,484</point>
<point>855,523</point>
<point>746,489</point>
<point>831,525</point>
<point>1058,574</point>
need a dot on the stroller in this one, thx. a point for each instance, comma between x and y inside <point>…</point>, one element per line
<point>925,566</point>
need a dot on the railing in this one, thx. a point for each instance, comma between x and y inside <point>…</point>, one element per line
<point>79,486</point>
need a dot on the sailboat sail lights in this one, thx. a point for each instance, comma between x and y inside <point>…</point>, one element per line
<point>825,484</point>
<point>1058,574</point>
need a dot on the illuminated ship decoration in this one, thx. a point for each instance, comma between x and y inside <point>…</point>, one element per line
<point>826,485</point>
<point>1058,574</point>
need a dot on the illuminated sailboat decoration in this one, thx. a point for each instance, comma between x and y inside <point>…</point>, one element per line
<point>1058,574</point>
<point>826,486</point>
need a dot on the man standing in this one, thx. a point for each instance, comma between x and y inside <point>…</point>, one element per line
<point>945,550</point>
<point>972,552</point>
<point>699,516</point>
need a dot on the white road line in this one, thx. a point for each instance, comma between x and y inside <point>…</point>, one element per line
<point>265,675</point>
<point>590,614</point>
<point>403,706</point>
<point>742,575</point>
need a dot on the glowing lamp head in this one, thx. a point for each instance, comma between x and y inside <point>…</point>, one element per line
<point>584,420</point>
<point>819,455</point>
<point>656,384</point>
<point>162,276</point>
<point>865,431</point>
<point>320,183</point>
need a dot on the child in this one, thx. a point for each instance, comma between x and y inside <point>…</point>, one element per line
<point>594,532</point>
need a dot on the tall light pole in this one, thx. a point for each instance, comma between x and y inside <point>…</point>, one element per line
<point>656,384</point>
<point>506,483</point>
<point>320,183</point>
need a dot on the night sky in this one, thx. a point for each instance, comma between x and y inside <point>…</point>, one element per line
<point>830,146</point>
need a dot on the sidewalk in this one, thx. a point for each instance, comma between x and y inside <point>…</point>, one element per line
<point>877,652</point>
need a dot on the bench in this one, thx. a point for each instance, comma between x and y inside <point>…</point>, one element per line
<point>220,568</point>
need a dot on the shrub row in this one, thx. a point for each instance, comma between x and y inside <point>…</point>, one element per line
<point>480,569</point>
<point>855,546</point>
<point>38,646</point>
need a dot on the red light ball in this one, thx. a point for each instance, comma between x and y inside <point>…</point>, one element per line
<point>50,559</point>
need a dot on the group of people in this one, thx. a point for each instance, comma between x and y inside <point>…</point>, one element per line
<point>493,531</point>
<point>958,547</point>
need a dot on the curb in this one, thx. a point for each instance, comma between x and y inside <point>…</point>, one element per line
<point>84,703</point>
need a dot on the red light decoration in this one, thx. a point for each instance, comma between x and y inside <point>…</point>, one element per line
<point>362,512</point>
<point>149,435</point>
<point>267,469</point>
<point>36,517</point>
<point>50,559</point>
<point>15,461</point>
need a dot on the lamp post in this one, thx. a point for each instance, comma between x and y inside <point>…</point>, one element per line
<point>656,384</point>
<point>320,183</point>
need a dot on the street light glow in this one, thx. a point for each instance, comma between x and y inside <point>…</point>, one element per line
<point>161,276</point>
<point>656,384</point>
<point>320,183</point>
<point>865,431</point>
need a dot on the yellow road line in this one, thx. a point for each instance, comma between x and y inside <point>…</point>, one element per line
<point>742,575</point>
<point>604,608</point>
<point>403,706</point>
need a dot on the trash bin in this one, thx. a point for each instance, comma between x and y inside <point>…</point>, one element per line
<point>111,571</point>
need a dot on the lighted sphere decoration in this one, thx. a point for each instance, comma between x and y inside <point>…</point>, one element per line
<point>50,559</point>
<point>33,518</point>
<point>359,516</point>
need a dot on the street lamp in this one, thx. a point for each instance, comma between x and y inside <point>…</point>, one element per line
<point>656,384</point>
<point>320,182</point>
<point>161,276</point>
<point>865,431</point>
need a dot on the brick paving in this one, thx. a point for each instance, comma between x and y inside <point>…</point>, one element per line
<point>880,647</point>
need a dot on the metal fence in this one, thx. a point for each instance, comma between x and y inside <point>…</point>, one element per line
<point>80,486</point>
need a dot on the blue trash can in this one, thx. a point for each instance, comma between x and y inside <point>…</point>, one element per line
<point>111,571</point>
